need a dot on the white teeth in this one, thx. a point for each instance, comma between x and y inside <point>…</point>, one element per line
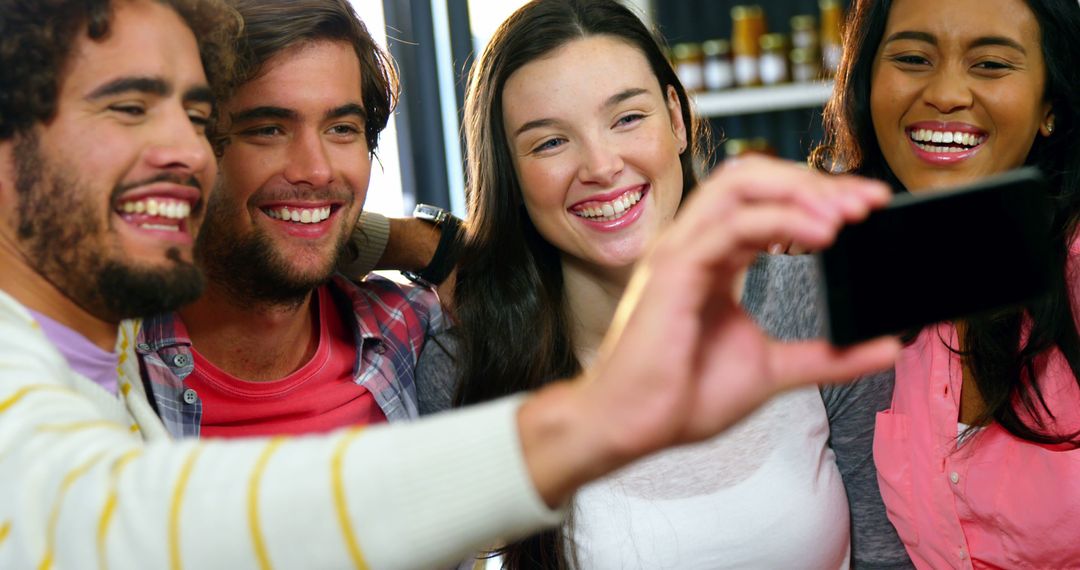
<point>300,215</point>
<point>163,208</point>
<point>612,210</point>
<point>160,227</point>
<point>924,136</point>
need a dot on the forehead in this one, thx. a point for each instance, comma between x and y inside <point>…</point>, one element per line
<point>145,39</point>
<point>313,76</point>
<point>965,19</point>
<point>578,75</point>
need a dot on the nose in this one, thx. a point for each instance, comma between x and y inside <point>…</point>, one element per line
<point>601,163</point>
<point>180,147</point>
<point>308,161</point>
<point>948,91</point>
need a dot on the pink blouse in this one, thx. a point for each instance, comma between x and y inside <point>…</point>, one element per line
<point>993,501</point>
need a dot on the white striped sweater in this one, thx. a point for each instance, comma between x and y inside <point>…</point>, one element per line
<point>89,480</point>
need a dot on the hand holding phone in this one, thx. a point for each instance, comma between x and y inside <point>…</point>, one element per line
<point>938,256</point>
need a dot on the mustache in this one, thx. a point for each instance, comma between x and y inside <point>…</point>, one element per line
<point>336,193</point>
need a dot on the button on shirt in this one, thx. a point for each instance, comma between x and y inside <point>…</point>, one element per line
<point>991,500</point>
<point>390,322</point>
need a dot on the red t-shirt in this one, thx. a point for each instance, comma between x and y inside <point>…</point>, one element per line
<point>319,397</point>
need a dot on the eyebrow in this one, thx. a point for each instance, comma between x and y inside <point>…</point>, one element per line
<point>609,103</point>
<point>347,110</point>
<point>284,114</point>
<point>264,112</point>
<point>977,42</point>
<point>200,94</point>
<point>150,85</point>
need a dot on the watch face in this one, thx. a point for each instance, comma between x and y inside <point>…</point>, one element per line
<point>429,212</point>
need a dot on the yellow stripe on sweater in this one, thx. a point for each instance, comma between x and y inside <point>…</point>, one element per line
<point>174,510</point>
<point>5,530</point>
<point>54,516</point>
<point>22,392</point>
<point>339,498</point>
<point>253,503</point>
<point>110,504</point>
<point>79,426</point>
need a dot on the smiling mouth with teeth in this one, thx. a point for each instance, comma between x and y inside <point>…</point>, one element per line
<point>608,211</point>
<point>944,141</point>
<point>299,215</point>
<point>159,214</point>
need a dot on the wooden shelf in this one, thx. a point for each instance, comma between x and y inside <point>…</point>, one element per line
<point>762,99</point>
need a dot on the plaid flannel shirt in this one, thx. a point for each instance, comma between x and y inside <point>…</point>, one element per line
<point>390,323</point>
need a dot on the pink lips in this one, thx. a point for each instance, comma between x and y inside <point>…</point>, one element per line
<point>944,158</point>
<point>628,217</point>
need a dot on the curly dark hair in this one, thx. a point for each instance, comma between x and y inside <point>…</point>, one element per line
<point>37,37</point>
<point>271,26</point>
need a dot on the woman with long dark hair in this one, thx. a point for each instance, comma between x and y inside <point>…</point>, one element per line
<point>977,456</point>
<point>581,147</point>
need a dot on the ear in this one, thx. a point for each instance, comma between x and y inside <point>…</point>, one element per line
<point>1047,126</point>
<point>678,126</point>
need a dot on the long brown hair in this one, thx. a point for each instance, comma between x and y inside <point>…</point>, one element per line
<point>510,301</point>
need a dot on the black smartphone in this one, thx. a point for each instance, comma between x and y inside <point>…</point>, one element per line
<point>938,256</point>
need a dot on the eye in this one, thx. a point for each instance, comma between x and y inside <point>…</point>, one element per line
<point>911,60</point>
<point>130,109</point>
<point>629,119</point>
<point>262,131</point>
<point>344,130</point>
<point>198,119</point>
<point>993,65</point>
<point>549,144</point>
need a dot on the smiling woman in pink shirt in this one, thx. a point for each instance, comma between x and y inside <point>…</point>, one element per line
<point>977,456</point>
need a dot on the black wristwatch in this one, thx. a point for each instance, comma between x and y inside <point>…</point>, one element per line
<point>446,253</point>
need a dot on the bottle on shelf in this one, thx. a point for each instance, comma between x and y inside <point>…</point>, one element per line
<point>774,59</point>
<point>804,32</point>
<point>805,65</point>
<point>748,25</point>
<point>689,66</point>
<point>718,71</point>
<point>832,18</point>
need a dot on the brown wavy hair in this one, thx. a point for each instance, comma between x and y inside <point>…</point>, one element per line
<point>37,37</point>
<point>271,26</point>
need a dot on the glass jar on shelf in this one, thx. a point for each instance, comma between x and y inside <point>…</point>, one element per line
<point>748,25</point>
<point>736,147</point>
<point>805,65</point>
<point>804,32</point>
<point>774,59</point>
<point>718,71</point>
<point>689,66</point>
<point>832,18</point>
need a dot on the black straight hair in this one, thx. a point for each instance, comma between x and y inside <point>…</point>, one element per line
<point>1004,365</point>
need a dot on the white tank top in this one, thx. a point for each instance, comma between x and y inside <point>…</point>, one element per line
<point>765,494</point>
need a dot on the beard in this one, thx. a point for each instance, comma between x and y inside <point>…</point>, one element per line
<point>63,239</point>
<point>247,265</point>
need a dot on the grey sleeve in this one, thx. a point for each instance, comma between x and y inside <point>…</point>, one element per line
<point>782,295</point>
<point>436,373</point>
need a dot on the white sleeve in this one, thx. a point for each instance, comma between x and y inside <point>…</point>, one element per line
<point>79,488</point>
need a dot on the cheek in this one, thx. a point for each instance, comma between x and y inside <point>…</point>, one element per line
<point>544,186</point>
